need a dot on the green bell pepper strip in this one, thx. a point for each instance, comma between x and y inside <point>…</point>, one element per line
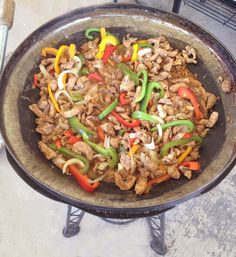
<point>76,96</point>
<point>91,30</point>
<point>145,116</point>
<point>126,70</point>
<point>145,45</point>
<point>150,87</point>
<point>111,107</point>
<point>71,154</point>
<point>187,123</point>
<point>144,86</point>
<point>84,72</point>
<point>79,127</point>
<point>166,147</point>
<point>110,152</point>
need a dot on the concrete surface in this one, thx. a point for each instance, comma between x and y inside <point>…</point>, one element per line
<point>31,225</point>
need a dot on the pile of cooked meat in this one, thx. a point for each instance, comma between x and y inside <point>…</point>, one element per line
<point>128,113</point>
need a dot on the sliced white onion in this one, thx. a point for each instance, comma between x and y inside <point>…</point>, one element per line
<point>46,74</point>
<point>99,156</point>
<point>107,141</point>
<point>143,52</point>
<point>160,132</point>
<point>154,156</point>
<point>158,119</point>
<point>150,146</point>
<point>143,157</point>
<point>100,178</point>
<point>60,78</point>
<point>162,113</point>
<point>78,64</point>
<point>178,136</point>
<point>134,135</point>
<point>72,161</point>
<point>80,102</point>
<point>65,93</point>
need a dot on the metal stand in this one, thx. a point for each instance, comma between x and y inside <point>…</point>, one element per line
<point>157,229</point>
<point>176,6</point>
<point>156,225</point>
<point>73,219</point>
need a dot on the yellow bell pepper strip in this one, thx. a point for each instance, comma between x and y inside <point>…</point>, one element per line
<point>187,123</point>
<point>49,50</point>
<point>144,86</point>
<point>133,150</point>
<point>72,50</point>
<point>143,41</point>
<point>103,32</point>
<point>106,40</point>
<point>52,98</point>
<point>135,53</point>
<point>183,141</point>
<point>150,87</point>
<point>109,109</point>
<point>58,56</point>
<point>184,154</point>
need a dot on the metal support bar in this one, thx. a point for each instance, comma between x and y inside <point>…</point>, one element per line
<point>73,219</point>
<point>157,228</point>
<point>156,225</point>
<point>117,221</point>
<point>176,6</point>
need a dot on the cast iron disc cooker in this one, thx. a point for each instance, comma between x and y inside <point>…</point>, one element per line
<point>18,127</point>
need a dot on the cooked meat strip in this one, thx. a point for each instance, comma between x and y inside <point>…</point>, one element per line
<point>48,152</point>
<point>226,86</point>
<point>141,185</point>
<point>82,147</point>
<point>124,184</point>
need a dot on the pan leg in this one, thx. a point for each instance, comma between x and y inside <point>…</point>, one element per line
<point>157,229</point>
<point>73,219</point>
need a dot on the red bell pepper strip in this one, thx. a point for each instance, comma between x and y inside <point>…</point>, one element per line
<point>126,59</point>
<point>158,180</point>
<point>73,139</point>
<point>131,141</point>
<point>69,133</point>
<point>122,100</point>
<point>191,165</point>
<point>52,71</point>
<point>135,123</point>
<point>58,143</point>
<point>107,53</point>
<point>82,179</point>
<point>187,135</point>
<point>95,76</point>
<point>36,82</point>
<point>101,133</point>
<point>186,93</point>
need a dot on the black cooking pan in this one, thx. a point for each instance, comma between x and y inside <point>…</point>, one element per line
<point>18,127</point>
